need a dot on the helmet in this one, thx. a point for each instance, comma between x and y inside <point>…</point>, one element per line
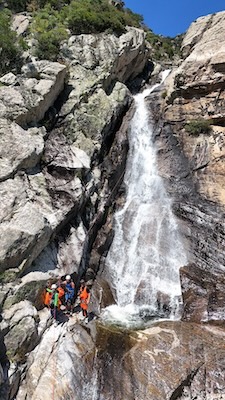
<point>54,286</point>
<point>68,277</point>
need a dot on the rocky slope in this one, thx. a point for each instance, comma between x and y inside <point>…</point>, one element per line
<point>62,155</point>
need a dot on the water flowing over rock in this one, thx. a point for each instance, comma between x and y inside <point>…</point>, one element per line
<point>64,142</point>
<point>146,252</point>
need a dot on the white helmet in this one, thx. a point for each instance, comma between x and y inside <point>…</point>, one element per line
<point>54,286</point>
<point>68,277</point>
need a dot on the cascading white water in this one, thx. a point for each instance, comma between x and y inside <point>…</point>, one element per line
<point>144,259</point>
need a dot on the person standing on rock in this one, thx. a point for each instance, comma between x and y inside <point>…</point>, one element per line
<point>69,293</point>
<point>85,296</point>
<point>55,302</point>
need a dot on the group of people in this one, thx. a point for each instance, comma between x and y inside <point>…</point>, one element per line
<point>61,296</point>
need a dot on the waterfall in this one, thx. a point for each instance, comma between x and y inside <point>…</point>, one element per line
<point>144,259</point>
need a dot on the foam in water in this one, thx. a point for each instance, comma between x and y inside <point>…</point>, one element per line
<point>144,259</point>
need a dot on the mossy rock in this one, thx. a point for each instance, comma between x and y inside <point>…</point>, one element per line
<point>32,291</point>
<point>8,276</point>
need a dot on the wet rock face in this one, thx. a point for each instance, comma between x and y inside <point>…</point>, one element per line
<point>203,294</point>
<point>168,361</point>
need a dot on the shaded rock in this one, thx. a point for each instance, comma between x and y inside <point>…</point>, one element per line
<point>101,296</point>
<point>203,294</point>
<point>21,339</point>
<point>23,238</point>
<point>20,329</point>
<point>15,373</point>
<point>31,291</point>
<point>61,257</point>
<point>4,366</point>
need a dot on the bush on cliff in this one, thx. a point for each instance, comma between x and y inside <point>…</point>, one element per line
<point>79,16</point>
<point>94,16</point>
<point>9,47</point>
<point>164,48</point>
<point>195,127</point>
<point>49,30</point>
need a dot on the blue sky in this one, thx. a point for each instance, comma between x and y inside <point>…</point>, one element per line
<point>171,17</point>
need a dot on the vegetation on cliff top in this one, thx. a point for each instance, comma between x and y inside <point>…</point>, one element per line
<point>164,48</point>
<point>9,48</point>
<point>54,20</point>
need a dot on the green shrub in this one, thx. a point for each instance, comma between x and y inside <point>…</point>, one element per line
<point>195,127</point>
<point>164,94</point>
<point>49,30</point>
<point>93,16</point>
<point>164,47</point>
<point>17,5</point>
<point>79,16</point>
<point>9,47</point>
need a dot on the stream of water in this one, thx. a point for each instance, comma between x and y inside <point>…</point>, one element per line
<point>142,266</point>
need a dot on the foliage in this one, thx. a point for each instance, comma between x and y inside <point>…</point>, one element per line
<point>164,94</point>
<point>17,5</point>
<point>79,16</point>
<point>49,30</point>
<point>165,48</point>
<point>93,16</point>
<point>195,127</point>
<point>53,18</point>
<point>9,48</point>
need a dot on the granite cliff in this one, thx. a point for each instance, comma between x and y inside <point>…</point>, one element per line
<point>63,152</point>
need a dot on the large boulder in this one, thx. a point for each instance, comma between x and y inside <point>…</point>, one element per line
<point>20,329</point>
<point>39,86</point>
<point>106,58</point>
<point>19,148</point>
